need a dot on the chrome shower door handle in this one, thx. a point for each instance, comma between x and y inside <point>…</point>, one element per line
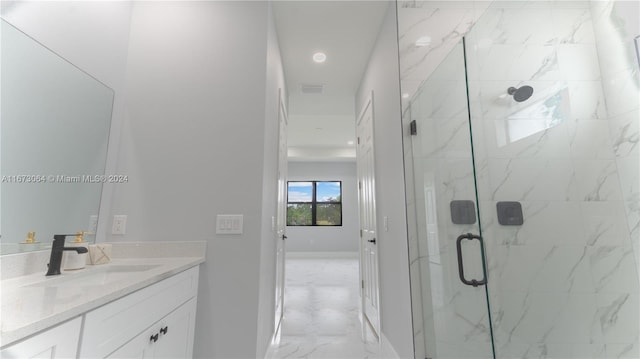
<point>472,282</point>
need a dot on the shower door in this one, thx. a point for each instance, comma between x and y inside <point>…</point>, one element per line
<point>524,188</point>
<point>447,250</point>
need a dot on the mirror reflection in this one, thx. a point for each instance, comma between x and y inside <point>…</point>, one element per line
<point>54,134</point>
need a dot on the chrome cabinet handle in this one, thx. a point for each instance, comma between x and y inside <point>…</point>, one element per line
<point>164,330</point>
<point>154,338</point>
<point>372,241</point>
<point>472,282</point>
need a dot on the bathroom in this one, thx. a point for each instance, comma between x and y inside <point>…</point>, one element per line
<point>195,121</point>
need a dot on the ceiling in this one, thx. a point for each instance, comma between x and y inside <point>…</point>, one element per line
<point>321,125</point>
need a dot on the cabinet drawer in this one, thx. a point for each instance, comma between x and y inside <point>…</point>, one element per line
<point>113,325</point>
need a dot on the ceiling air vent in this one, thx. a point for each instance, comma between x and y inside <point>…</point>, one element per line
<point>312,89</point>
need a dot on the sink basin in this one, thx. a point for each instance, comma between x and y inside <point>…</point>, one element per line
<point>95,277</point>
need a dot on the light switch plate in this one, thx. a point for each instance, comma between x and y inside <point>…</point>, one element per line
<point>229,223</point>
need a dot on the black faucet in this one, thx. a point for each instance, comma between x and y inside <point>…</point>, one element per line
<point>56,253</point>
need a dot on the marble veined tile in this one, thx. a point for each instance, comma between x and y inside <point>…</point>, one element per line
<point>614,269</point>
<point>596,180</point>
<point>578,62</point>
<point>619,319</point>
<point>514,26</point>
<point>604,223</point>
<point>526,317</point>
<point>540,268</point>
<point>621,91</point>
<point>445,138</point>
<point>625,133</point>
<point>573,26</point>
<point>623,350</point>
<point>515,62</point>
<point>587,101</point>
<point>540,142</point>
<point>441,99</point>
<point>321,318</point>
<point>529,179</point>
<point>545,223</point>
<point>590,139</point>
<point>632,208</point>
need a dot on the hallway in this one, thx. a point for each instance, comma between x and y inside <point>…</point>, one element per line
<point>321,312</point>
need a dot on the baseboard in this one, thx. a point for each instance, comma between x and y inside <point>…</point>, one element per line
<point>321,255</point>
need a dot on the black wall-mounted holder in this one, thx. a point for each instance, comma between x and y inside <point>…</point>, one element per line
<point>413,128</point>
<point>463,212</point>
<point>509,213</point>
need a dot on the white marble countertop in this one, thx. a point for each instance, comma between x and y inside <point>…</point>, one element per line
<point>32,302</point>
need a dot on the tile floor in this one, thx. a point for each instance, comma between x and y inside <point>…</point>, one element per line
<point>321,318</point>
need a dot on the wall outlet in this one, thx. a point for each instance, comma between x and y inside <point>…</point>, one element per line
<point>119,224</point>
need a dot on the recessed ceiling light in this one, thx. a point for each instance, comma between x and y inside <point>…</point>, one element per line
<point>405,95</point>
<point>350,143</point>
<point>319,57</point>
<point>423,41</point>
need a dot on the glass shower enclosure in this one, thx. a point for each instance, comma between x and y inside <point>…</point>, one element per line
<point>523,188</point>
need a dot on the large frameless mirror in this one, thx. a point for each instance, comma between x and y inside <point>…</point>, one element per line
<point>54,132</point>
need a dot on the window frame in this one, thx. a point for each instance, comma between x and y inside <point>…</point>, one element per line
<point>314,204</point>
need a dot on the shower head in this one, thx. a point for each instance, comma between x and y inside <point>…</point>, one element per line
<point>520,94</point>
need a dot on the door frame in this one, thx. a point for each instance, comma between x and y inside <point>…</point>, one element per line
<point>281,214</point>
<point>373,323</point>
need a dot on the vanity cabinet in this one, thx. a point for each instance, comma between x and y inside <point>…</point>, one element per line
<point>171,337</point>
<point>60,341</point>
<point>154,322</point>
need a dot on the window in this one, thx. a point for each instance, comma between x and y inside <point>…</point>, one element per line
<point>314,203</point>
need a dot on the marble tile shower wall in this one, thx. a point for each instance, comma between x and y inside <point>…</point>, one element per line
<point>565,283</point>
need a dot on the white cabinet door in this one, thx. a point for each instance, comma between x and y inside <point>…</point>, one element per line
<point>176,333</point>
<point>139,348</point>
<point>60,341</point>
<point>171,337</point>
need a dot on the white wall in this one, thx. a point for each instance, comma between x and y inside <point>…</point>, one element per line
<point>382,77</point>
<point>327,239</point>
<point>93,36</point>
<point>194,147</point>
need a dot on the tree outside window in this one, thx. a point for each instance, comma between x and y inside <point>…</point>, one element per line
<point>314,203</point>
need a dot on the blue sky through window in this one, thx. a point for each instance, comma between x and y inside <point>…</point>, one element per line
<point>327,191</point>
<point>300,191</point>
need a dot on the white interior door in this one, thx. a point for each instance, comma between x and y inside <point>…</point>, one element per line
<point>281,216</point>
<point>367,211</point>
